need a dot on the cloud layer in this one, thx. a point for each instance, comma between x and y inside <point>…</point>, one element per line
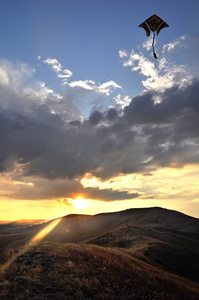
<point>46,145</point>
<point>45,139</point>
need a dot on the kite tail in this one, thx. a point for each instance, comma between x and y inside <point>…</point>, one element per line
<point>154,54</point>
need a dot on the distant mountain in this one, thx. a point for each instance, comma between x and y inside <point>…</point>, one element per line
<point>4,222</point>
<point>26,222</point>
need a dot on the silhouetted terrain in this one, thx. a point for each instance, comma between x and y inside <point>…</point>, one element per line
<point>141,242</point>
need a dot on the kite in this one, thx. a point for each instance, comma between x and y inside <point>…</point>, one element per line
<point>154,23</point>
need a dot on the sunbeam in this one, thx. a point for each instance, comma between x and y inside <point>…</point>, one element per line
<point>39,236</point>
<point>35,240</point>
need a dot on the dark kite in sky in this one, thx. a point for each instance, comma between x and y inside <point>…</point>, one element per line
<point>154,23</point>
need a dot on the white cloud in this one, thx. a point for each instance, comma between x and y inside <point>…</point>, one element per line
<point>58,69</point>
<point>19,88</point>
<point>148,43</point>
<point>173,45</point>
<point>104,88</point>
<point>18,79</point>
<point>65,74</point>
<point>4,77</point>
<point>68,72</point>
<point>86,84</point>
<point>159,76</point>
<point>123,53</point>
<point>58,96</point>
<point>122,100</point>
<point>14,75</point>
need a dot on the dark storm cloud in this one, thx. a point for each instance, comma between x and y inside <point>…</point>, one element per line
<point>175,102</point>
<point>170,127</point>
<point>51,145</point>
<point>95,117</point>
<point>55,189</point>
<point>111,114</point>
<point>108,194</point>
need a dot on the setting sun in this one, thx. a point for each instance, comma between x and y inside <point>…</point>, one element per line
<point>80,203</point>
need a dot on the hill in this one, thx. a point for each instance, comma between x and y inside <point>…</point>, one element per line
<point>153,238</point>
<point>71,271</point>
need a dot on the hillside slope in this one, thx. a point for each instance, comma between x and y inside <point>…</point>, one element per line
<point>169,251</point>
<point>163,238</point>
<point>71,271</point>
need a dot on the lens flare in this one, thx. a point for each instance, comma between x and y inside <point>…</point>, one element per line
<point>37,238</point>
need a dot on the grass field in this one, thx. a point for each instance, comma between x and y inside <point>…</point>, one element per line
<point>73,271</point>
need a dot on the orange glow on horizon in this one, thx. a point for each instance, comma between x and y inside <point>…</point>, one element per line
<point>170,188</point>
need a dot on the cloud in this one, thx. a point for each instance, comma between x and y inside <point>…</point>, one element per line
<point>64,74</point>
<point>62,190</point>
<point>17,82</point>
<point>95,117</point>
<point>108,194</point>
<point>123,53</point>
<point>175,45</point>
<point>14,75</point>
<point>146,136</point>
<point>105,88</point>
<point>66,201</point>
<point>160,77</point>
<point>162,73</point>
<point>82,92</point>
<point>148,43</point>
<point>48,143</point>
<point>122,100</point>
<point>87,84</point>
<point>54,63</point>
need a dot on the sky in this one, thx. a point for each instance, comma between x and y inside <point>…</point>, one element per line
<point>90,122</point>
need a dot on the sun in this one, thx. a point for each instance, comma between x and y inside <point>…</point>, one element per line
<point>80,203</point>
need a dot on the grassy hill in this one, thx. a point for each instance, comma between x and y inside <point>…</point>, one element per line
<point>71,271</point>
<point>169,251</point>
<point>150,253</point>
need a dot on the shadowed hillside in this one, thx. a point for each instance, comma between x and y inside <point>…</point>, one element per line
<point>170,251</point>
<point>69,271</point>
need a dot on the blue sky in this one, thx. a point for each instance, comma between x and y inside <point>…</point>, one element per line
<point>85,36</point>
<point>68,72</point>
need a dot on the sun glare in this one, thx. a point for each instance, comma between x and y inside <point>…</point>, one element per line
<point>80,203</point>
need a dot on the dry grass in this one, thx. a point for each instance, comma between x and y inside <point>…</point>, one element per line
<point>70,271</point>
